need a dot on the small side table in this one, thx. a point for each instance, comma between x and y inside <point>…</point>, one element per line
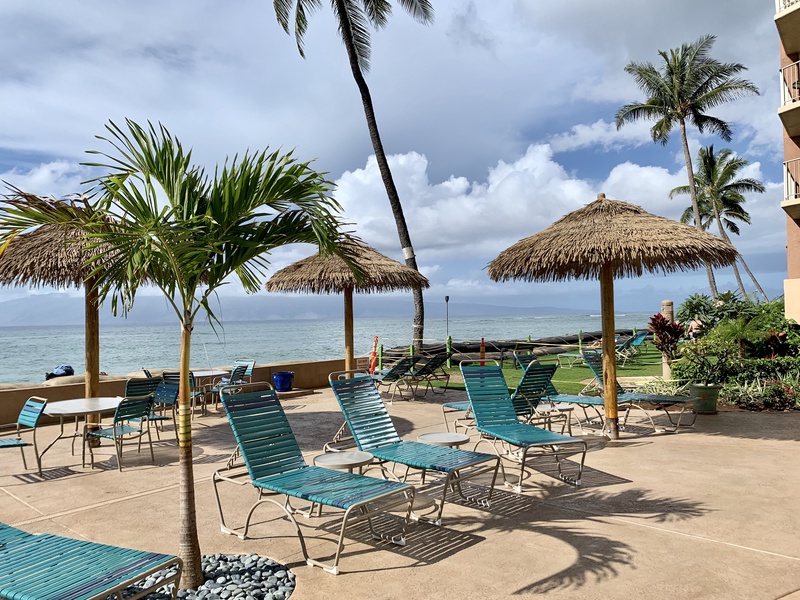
<point>343,461</point>
<point>453,440</point>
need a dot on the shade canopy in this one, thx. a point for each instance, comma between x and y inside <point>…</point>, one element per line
<point>57,255</point>
<point>603,240</point>
<point>610,233</point>
<point>331,274</point>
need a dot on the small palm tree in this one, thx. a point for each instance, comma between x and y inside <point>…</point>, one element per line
<point>720,196</point>
<point>687,84</point>
<point>164,222</point>
<point>354,19</point>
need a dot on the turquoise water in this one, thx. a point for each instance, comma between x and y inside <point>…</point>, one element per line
<point>27,353</point>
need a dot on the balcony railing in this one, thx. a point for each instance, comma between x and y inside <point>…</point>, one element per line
<point>790,82</point>
<point>784,4</point>
<point>791,179</point>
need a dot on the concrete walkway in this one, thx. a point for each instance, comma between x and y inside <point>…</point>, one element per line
<point>708,512</point>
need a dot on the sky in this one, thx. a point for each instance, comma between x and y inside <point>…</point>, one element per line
<point>498,119</point>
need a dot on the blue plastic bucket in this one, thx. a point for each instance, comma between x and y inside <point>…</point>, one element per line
<point>283,380</point>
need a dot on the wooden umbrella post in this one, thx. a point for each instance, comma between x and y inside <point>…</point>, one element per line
<point>349,354</point>
<point>609,351</point>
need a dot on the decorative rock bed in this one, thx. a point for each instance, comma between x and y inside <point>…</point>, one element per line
<point>231,577</point>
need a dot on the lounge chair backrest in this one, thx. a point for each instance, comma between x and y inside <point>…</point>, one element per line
<point>400,368</point>
<point>166,393</point>
<point>639,339</point>
<point>262,432</point>
<point>594,360</point>
<point>533,384</point>
<point>430,365</point>
<point>134,407</point>
<point>488,395</point>
<point>141,386</point>
<point>238,372</point>
<point>31,412</point>
<point>365,412</point>
<point>249,364</point>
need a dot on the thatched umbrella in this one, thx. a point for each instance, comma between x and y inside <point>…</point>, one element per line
<point>332,275</point>
<point>608,239</point>
<point>56,255</point>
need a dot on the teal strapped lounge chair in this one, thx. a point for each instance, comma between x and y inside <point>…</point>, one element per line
<point>397,377</point>
<point>374,432</point>
<point>131,422</point>
<point>594,361</point>
<point>51,567</point>
<point>521,361</point>
<point>26,422</point>
<point>274,465</point>
<point>429,370</point>
<point>497,422</point>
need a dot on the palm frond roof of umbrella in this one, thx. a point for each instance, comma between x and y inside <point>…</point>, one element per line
<point>54,255</point>
<point>613,232</point>
<point>331,274</point>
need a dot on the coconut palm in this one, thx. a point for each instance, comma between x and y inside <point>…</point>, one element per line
<point>720,196</point>
<point>687,84</point>
<point>354,19</point>
<point>169,224</point>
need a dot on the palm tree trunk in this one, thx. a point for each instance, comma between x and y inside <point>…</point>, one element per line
<point>725,237</point>
<point>695,206</point>
<point>189,543</point>
<point>753,277</point>
<point>383,166</point>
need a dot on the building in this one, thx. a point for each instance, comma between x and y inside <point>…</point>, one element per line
<point>787,19</point>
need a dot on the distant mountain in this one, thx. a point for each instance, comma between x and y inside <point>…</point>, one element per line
<point>63,309</point>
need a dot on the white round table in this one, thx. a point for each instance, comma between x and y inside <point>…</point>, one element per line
<point>343,460</point>
<point>453,440</point>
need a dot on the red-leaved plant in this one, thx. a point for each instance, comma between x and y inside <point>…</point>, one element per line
<point>667,335</point>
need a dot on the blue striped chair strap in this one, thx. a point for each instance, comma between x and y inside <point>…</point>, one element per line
<point>428,456</point>
<point>12,443</point>
<point>525,436</point>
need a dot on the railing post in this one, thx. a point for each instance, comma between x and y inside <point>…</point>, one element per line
<point>449,352</point>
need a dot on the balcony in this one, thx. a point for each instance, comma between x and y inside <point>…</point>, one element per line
<point>789,111</point>
<point>787,19</point>
<point>791,188</point>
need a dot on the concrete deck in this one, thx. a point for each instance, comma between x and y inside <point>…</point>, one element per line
<point>708,512</point>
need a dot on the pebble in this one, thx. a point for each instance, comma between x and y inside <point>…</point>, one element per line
<point>228,577</point>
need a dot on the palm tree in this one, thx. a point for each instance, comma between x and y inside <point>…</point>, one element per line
<point>720,198</point>
<point>354,18</point>
<point>165,222</point>
<point>688,83</point>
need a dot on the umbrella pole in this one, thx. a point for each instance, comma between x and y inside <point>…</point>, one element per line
<point>349,355</point>
<point>609,351</point>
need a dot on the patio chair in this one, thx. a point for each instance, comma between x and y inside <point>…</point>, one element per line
<point>165,400</point>
<point>397,377</point>
<point>429,370</point>
<point>497,422</point>
<point>50,567</point>
<point>27,421</point>
<point>635,349</point>
<point>196,394</point>
<point>237,376</point>
<point>633,399</point>
<point>142,386</point>
<point>274,465</point>
<point>130,422</point>
<point>374,432</point>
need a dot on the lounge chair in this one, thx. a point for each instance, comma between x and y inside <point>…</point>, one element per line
<point>374,432</point>
<point>429,370</point>
<point>523,360</point>
<point>27,421</point>
<point>594,361</point>
<point>528,395</point>
<point>131,422</point>
<point>50,567</point>
<point>497,422</point>
<point>274,465</point>
<point>635,348</point>
<point>236,376</point>
<point>399,376</point>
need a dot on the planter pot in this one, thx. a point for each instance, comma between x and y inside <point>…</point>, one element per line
<point>283,380</point>
<point>706,397</point>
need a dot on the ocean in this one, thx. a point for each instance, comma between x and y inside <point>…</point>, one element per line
<point>27,353</point>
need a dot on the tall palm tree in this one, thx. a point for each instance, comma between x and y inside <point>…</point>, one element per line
<point>720,196</point>
<point>687,84</point>
<point>165,222</point>
<point>354,18</point>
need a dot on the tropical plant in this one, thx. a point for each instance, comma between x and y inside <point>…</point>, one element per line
<point>709,360</point>
<point>165,222</point>
<point>720,196</point>
<point>666,336</point>
<point>354,19</point>
<point>688,83</point>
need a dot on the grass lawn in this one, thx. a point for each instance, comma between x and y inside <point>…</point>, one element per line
<point>568,380</point>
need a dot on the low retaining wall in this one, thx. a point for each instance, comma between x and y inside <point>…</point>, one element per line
<point>307,375</point>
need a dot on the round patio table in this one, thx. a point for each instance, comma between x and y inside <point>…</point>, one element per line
<point>452,440</point>
<point>343,460</point>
